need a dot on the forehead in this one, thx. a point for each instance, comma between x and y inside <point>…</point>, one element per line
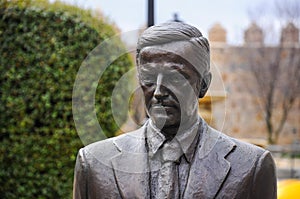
<point>155,57</point>
<point>172,52</point>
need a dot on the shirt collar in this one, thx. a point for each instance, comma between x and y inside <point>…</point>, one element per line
<point>155,138</point>
<point>187,139</point>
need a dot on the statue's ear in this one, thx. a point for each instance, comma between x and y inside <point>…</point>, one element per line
<point>204,84</point>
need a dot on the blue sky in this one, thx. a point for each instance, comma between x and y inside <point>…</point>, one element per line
<point>131,14</point>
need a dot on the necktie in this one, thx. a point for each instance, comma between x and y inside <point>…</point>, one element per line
<point>168,185</point>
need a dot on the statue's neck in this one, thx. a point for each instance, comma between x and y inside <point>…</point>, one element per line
<point>171,131</point>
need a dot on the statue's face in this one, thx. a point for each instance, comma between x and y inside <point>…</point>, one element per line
<point>170,85</point>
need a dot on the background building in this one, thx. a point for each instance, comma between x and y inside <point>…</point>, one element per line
<point>244,107</point>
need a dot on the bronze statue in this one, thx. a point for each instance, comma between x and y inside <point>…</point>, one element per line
<point>175,154</point>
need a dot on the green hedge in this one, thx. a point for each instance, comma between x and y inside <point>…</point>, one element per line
<point>42,46</point>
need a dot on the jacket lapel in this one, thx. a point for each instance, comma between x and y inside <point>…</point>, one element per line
<point>209,168</point>
<point>130,166</point>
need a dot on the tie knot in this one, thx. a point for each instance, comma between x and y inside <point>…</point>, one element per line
<point>171,151</point>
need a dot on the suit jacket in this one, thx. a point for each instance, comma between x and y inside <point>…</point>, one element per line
<point>222,167</point>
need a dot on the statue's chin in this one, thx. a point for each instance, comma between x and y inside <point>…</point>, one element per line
<point>159,121</point>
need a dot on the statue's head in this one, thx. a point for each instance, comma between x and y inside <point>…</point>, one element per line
<point>173,65</point>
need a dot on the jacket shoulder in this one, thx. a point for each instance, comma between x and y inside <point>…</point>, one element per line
<point>240,146</point>
<point>252,172</point>
<point>247,148</point>
<point>261,164</point>
<point>244,155</point>
<point>106,149</point>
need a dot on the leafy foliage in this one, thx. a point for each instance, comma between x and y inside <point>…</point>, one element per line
<point>42,48</point>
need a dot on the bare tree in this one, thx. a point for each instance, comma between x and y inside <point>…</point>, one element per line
<point>276,68</point>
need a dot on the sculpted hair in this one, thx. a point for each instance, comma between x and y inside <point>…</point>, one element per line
<point>176,31</point>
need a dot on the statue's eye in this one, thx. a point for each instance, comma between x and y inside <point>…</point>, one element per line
<point>148,79</point>
<point>177,79</point>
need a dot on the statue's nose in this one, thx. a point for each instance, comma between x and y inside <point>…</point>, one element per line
<point>160,90</point>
